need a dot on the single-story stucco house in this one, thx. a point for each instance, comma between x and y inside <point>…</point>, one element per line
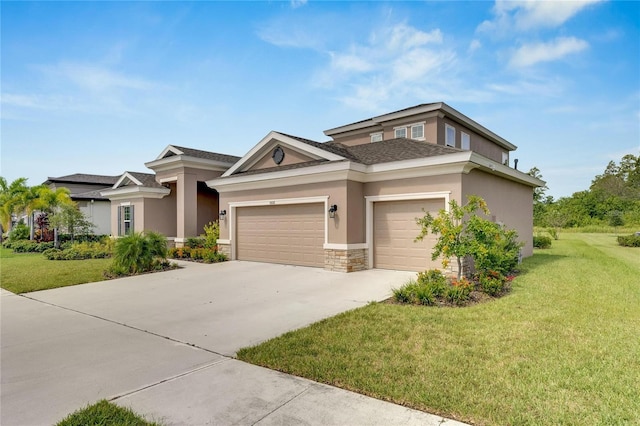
<point>85,191</point>
<point>345,205</point>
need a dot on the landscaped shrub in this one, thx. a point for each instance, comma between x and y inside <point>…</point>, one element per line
<point>492,282</point>
<point>19,232</point>
<point>194,242</point>
<point>541,241</point>
<point>199,254</point>
<point>211,235</point>
<point>79,251</point>
<point>430,286</point>
<point>629,240</point>
<point>459,292</point>
<point>137,253</point>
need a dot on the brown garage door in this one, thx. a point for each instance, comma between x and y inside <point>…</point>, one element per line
<point>394,231</point>
<point>290,234</point>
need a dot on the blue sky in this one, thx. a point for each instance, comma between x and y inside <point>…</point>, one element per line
<point>103,87</point>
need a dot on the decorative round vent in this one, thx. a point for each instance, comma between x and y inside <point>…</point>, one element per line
<point>278,155</point>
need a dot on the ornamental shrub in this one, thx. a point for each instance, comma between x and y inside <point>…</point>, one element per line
<point>629,240</point>
<point>138,252</point>
<point>459,292</point>
<point>211,235</point>
<point>492,282</point>
<point>541,242</point>
<point>19,232</point>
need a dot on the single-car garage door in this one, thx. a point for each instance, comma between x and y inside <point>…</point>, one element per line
<point>292,234</point>
<point>394,232</point>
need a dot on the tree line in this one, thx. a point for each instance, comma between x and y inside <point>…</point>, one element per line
<point>613,199</point>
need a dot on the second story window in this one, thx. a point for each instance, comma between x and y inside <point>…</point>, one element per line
<point>417,131</point>
<point>465,141</point>
<point>400,132</point>
<point>450,136</point>
<point>376,137</point>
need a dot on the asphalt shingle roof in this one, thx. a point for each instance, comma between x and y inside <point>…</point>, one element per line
<point>224,158</point>
<point>85,178</point>
<point>91,195</point>
<point>148,180</point>
<point>397,150</point>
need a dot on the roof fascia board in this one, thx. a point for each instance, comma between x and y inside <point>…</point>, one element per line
<point>126,175</point>
<point>496,168</point>
<point>250,157</point>
<point>177,161</point>
<point>169,148</point>
<point>135,191</point>
<point>383,118</point>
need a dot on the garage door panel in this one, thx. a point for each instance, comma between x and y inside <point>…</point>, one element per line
<point>289,234</point>
<point>394,232</point>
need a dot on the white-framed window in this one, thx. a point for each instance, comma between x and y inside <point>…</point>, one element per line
<point>376,137</point>
<point>505,158</point>
<point>449,135</point>
<point>125,220</point>
<point>417,131</point>
<point>465,141</point>
<point>400,132</point>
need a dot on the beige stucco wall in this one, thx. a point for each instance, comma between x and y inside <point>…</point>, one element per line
<point>201,175</point>
<point>450,182</point>
<point>290,157</point>
<point>477,143</point>
<point>160,214</point>
<point>138,214</point>
<point>364,135</point>
<point>510,203</point>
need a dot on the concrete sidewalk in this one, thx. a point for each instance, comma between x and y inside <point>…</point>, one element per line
<point>164,343</point>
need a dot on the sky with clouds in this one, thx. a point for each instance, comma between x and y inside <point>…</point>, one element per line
<point>103,87</point>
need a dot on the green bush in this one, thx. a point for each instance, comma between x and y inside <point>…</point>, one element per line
<point>494,247</point>
<point>199,254</point>
<point>541,241</point>
<point>137,253</point>
<point>211,235</point>
<point>430,286</point>
<point>80,251</point>
<point>629,240</point>
<point>194,242</point>
<point>19,232</point>
<point>459,292</point>
<point>553,232</point>
<point>492,282</point>
<point>27,246</point>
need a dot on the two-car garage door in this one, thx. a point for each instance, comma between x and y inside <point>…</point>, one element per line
<point>292,234</point>
<point>394,232</point>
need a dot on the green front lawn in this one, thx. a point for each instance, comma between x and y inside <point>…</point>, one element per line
<point>25,272</point>
<point>562,348</point>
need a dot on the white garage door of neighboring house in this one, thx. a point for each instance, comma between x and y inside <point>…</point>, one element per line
<point>394,232</point>
<point>291,234</point>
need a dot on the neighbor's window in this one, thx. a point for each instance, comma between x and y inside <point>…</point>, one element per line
<point>450,136</point>
<point>465,141</point>
<point>400,132</point>
<point>417,131</point>
<point>376,137</point>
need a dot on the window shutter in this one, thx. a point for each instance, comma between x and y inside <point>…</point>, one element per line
<point>132,229</point>
<point>120,223</point>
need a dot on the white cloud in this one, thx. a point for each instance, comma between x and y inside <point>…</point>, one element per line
<point>474,45</point>
<point>524,15</point>
<point>298,3</point>
<point>97,78</point>
<point>531,54</point>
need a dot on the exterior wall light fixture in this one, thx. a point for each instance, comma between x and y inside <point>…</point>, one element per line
<point>223,214</point>
<point>332,211</point>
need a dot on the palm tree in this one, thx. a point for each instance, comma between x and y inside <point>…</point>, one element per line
<point>11,200</point>
<point>44,199</point>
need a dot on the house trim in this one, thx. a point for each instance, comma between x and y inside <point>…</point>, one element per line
<point>135,192</point>
<point>250,157</point>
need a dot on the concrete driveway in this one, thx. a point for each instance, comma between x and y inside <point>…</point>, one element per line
<point>164,345</point>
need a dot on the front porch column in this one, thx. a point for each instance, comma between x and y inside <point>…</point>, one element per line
<point>187,207</point>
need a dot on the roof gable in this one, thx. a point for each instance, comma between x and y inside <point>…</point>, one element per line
<point>306,148</point>
<point>174,156</point>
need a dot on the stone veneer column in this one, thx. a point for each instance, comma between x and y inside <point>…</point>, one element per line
<point>187,207</point>
<point>346,260</point>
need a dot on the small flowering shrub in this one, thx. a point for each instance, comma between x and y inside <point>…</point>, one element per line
<point>492,282</point>
<point>459,292</point>
<point>198,254</point>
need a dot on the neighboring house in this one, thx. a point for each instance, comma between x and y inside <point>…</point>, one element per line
<point>345,205</point>
<point>85,191</point>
